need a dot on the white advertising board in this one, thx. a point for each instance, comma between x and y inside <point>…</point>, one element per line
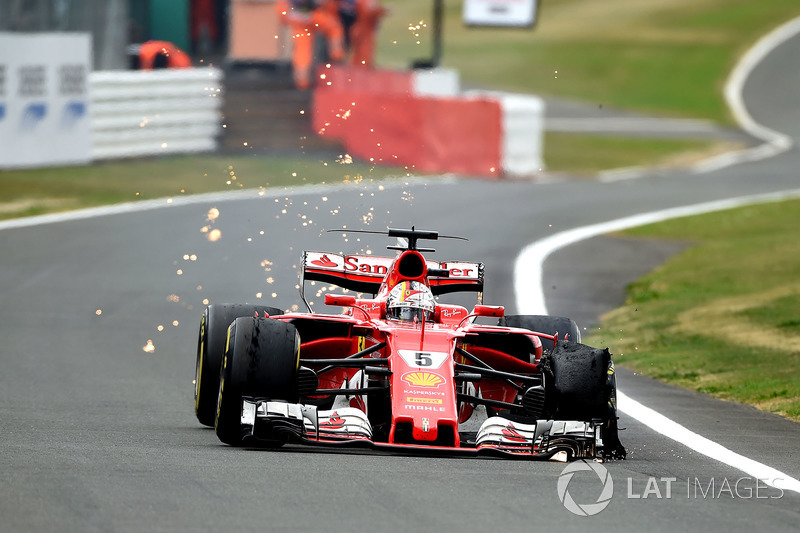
<point>514,13</point>
<point>44,99</point>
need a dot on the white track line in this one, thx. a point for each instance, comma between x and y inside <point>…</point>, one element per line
<point>661,424</point>
<point>529,294</point>
<point>774,142</point>
<point>194,199</point>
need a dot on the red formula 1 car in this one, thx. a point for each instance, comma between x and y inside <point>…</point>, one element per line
<point>403,371</point>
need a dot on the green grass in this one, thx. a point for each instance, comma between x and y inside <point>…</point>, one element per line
<point>782,313</point>
<point>723,317</point>
<point>586,154</point>
<point>46,190</point>
<point>660,56</point>
<point>32,192</point>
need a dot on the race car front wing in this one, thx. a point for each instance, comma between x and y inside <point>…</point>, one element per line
<point>544,439</point>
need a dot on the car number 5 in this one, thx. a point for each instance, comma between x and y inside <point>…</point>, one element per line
<point>423,359</point>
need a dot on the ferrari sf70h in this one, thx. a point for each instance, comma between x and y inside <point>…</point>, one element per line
<point>399,370</point>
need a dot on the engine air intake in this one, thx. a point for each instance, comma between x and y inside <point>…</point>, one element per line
<point>411,265</point>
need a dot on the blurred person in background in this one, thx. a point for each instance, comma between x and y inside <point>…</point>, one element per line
<point>158,54</point>
<point>305,18</point>
<point>360,19</point>
<point>204,26</point>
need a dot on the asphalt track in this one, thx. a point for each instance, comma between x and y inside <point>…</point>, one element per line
<point>98,434</point>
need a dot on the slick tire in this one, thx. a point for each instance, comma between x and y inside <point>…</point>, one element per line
<point>549,325</point>
<point>210,347</point>
<point>579,381</point>
<point>261,360</point>
<point>580,384</point>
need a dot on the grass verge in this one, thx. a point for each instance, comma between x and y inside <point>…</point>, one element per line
<point>47,190</point>
<point>668,57</point>
<point>722,317</point>
<point>586,154</point>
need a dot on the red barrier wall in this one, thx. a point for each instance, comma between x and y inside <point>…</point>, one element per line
<point>365,80</point>
<point>377,118</point>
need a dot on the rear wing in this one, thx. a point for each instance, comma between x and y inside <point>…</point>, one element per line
<point>365,273</point>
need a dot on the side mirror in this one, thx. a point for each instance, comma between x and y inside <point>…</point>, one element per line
<point>496,311</point>
<point>337,299</point>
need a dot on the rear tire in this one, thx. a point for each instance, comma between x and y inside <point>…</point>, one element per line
<point>210,348</point>
<point>261,360</point>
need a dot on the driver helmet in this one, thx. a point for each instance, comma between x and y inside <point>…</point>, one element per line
<point>410,301</point>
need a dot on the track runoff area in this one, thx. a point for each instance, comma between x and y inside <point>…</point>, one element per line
<point>528,287</point>
<point>530,300</point>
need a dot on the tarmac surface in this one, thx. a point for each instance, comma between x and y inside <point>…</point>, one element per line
<point>99,325</point>
<point>569,116</point>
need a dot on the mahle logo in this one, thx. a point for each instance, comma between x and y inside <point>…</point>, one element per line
<point>585,509</point>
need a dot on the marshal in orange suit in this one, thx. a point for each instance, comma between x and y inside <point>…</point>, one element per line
<point>305,18</point>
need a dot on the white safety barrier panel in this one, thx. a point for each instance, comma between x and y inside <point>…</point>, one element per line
<point>438,82</point>
<point>523,132</point>
<point>137,113</point>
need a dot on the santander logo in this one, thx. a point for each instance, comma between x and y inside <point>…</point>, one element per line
<point>324,261</point>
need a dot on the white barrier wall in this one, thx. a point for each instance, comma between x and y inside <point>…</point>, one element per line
<point>137,113</point>
<point>523,132</point>
<point>44,98</point>
<point>438,82</point>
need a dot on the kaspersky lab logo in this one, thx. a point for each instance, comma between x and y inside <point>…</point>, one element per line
<point>585,509</point>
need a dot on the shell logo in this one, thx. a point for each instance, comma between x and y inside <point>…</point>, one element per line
<point>423,379</point>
